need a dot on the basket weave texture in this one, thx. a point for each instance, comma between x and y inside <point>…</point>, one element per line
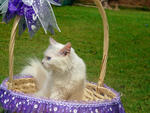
<point>91,92</point>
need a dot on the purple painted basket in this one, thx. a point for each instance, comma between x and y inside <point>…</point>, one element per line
<point>23,103</point>
<point>13,101</point>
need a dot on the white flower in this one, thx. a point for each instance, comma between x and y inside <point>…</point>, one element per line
<point>96,110</point>
<point>55,108</point>
<point>13,98</point>
<point>17,105</point>
<point>5,101</point>
<point>110,109</point>
<point>1,95</point>
<point>35,106</point>
<point>74,111</point>
<point>5,93</point>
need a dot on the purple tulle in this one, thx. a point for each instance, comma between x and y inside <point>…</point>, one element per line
<point>19,102</point>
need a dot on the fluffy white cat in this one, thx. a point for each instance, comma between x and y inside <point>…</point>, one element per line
<point>62,74</point>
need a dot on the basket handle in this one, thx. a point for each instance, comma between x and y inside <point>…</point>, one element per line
<point>11,51</point>
<point>105,49</point>
<point>106,42</point>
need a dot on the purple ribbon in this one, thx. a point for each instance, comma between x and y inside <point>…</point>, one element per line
<point>12,8</point>
<point>35,14</point>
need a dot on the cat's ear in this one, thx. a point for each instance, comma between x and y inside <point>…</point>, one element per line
<point>66,49</point>
<point>52,41</point>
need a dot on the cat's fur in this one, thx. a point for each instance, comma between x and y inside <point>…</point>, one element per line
<point>63,75</point>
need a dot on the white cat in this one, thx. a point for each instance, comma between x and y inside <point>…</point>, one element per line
<point>63,75</point>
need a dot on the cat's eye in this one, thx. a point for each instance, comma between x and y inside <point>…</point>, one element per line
<point>48,58</point>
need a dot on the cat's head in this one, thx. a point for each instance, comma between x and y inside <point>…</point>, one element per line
<point>57,56</point>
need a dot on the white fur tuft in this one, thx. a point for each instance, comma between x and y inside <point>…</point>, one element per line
<point>36,69</point>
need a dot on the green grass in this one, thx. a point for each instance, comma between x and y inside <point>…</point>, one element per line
<point>128,69</point>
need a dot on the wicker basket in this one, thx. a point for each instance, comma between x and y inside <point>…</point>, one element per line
<point>96,96</point>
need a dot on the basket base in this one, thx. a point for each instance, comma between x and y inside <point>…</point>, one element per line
<point>23,103</point>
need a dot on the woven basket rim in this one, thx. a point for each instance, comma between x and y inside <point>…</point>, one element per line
<point>63,102</point>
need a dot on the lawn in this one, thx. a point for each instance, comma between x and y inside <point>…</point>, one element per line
<point>128,69</point>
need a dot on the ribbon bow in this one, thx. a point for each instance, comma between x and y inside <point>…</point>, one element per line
<point>34,14</point>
